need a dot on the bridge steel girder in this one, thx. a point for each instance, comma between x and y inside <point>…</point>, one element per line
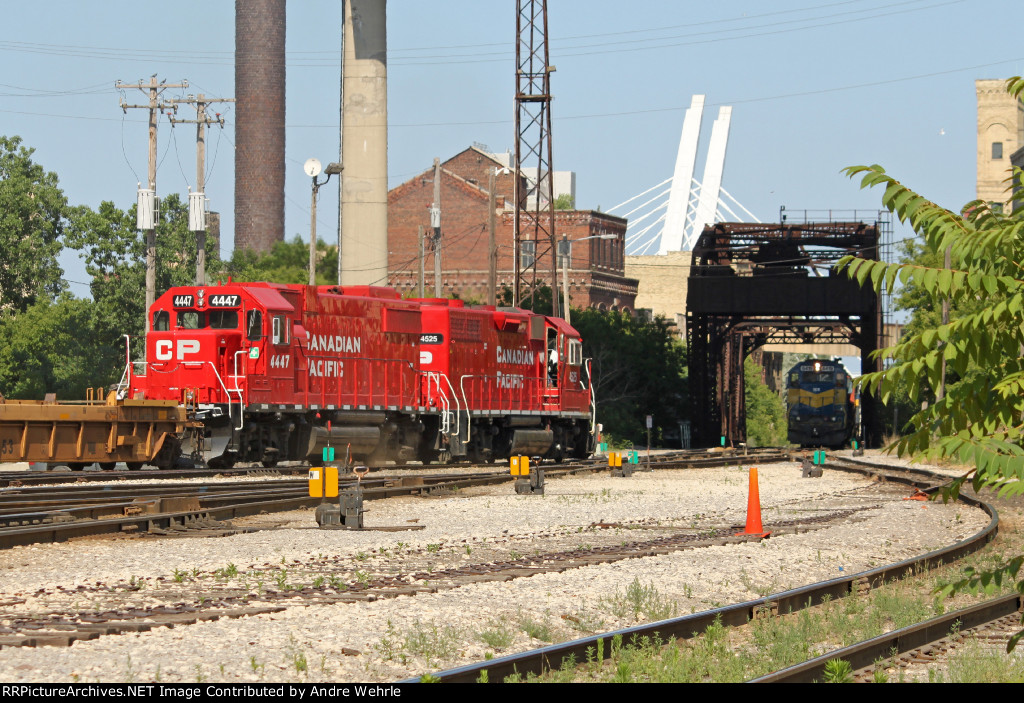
<point>751,284</point>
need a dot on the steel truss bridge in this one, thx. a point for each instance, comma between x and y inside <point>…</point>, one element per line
<point>753,283</point>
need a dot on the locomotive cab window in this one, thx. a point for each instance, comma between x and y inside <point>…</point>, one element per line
<point>280,331</point>
<point>575,353</point>
<point>190,320</point>
<point>254,325</point>
<point>161,321</point>
<point>224,319</point>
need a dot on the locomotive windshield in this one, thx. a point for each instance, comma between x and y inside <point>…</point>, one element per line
<point>214,319</point>
<point>197,320</point>
<point>816,377</point>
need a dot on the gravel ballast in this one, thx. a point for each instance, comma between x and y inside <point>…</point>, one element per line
<point>395,638</point>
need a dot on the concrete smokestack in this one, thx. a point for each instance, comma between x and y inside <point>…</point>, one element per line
<point>259,125</point>
<point>364,199</point>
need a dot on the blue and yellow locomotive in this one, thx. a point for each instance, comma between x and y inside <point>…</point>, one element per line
<point>822,404</point>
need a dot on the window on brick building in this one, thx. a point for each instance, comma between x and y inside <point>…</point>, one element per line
<point>997,150</point>
<point>527,253</point>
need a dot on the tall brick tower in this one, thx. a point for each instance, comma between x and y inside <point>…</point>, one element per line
<point>259,126</point>
<point>1000,134</point>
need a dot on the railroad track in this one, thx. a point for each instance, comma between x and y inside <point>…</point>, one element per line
<point>687,458</point>
<point>994,621</point>
<point>45,513</point>
<point>551,657</point>
<point>114,609</point>
<point>230,601</point>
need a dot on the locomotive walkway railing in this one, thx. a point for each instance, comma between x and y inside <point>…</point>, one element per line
<point>505,393</point>
<point>359,383</point>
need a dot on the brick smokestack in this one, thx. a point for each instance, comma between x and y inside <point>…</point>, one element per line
<point>259,125</point>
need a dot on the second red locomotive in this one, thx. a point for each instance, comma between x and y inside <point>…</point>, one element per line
<point>278,372</point>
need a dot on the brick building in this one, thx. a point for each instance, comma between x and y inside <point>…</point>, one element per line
<point>596,274</point>
<point>1000,140</point>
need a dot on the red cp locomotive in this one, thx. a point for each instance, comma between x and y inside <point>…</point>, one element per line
<point>278,372</point>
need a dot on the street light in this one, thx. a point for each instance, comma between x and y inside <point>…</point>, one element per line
<point>312,169</point>
<point>565,268</point>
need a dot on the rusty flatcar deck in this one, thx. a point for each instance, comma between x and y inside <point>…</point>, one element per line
<point>133,431</point>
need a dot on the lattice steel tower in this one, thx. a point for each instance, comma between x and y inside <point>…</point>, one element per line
<point>534,234</point>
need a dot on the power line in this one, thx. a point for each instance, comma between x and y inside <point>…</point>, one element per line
<point>329,60</point>
<point>596,115</point>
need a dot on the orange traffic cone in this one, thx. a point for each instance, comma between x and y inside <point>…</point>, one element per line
<point>753,508</point>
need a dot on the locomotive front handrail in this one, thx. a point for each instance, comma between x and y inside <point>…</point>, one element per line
<point>462,389</point>
<point>227,394</point>
<point>446,419</point>
<point>129,371</point>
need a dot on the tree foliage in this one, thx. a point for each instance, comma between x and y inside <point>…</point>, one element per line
<point>32,211</point>
<point>536,300</point>
<point>639,369</point>
<point>50,348</point>
<point>115,258</point>
<point>766,413</point>
<point>980,420</point>
<point>287,262</point>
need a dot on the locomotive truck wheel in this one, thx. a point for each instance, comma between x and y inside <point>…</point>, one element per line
<point>269,463</point>
<point>134,465</point>
<point>108,465</point>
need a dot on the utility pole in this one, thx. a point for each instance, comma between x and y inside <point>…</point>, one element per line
<point>435,222</point>
<point>423,263</point>
<point>492,248</point>
<point>197,200</point>
<point>154,90</point>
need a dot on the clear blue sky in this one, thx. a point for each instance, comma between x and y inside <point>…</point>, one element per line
<point>816,85</point>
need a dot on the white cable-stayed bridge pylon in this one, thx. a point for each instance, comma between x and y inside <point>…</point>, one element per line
<point>673,218</point>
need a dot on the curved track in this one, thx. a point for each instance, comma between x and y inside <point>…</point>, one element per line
<point>551,657</point>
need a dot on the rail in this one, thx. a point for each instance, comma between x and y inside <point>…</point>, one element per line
<point>866,653</point>
<point>551,657</point>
